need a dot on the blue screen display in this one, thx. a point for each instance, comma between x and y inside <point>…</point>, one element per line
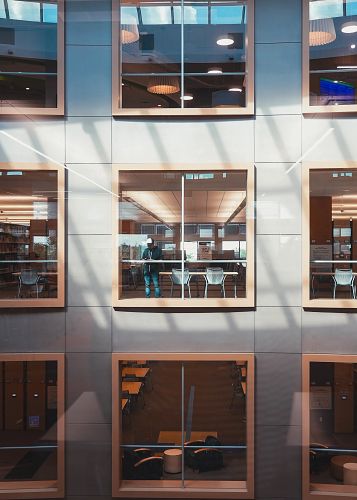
<point>337,91</point>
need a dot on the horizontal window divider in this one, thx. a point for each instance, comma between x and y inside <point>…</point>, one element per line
<point>333,261</point>
<point>41,447</point>
<point>27,73</point>
<point>340,70</point>
<point>225,73</point>
<point>166,446</point>
<point>328,450</point>
<point>27,261</point>
<point>143,261</point>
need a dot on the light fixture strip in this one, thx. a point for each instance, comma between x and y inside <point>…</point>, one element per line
<point>182,4</point>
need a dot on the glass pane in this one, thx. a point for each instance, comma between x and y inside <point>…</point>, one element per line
<point>28,234</point>
<point>150,54</point>
<point>151,420</point>
<point>215,233</point>
<point>333,54</point>
<point>28,421</point>
<point>149,234</point>
<point>215,421</point>
<point>214,46</point>
<point>30,91</point>
<point>333,431</point>
<point>333,224</point>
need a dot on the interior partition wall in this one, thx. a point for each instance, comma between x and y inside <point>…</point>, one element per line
<point>202,222</point>
<point>32,425</point>
<point>184,426</point>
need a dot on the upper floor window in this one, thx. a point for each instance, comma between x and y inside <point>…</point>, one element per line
<point>330,233</point>
<point>183,57</point>
<point>183,237</point>
<point>32,57</point>
<point>330,56</point>
<point>183,423</point>
<point>31,425</point>
<point>329,426</point>
<point>31,236</point>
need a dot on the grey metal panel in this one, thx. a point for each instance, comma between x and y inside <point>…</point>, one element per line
<point>278,198</point>
<point>89,205</point>
<point>273,21</point>
<point>88,79</point>
<point>88,140</point>
<point>196,332</point>
<point>89,270</point>
<point>278,389</point>
<point>88,22</point>
<point>278,78</point>
<point>278,270</point>
<point>278,462</point>
<point>88,329</point>
<point>32,331</point>
<point>88,384</point>
<point>329,332</point>
<point>173,141</point>
<point>278,138</point>
<point>278,329</point>
<point>88,459</point>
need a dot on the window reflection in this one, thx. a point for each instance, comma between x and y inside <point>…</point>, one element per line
<point>184,422</point>
<point>178,42</point>
<point>333,229</point>
<point>207,260</point>
<point>333,55</point>
<point>28,234</point>
<point>333,429</point>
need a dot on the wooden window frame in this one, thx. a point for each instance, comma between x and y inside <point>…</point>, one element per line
<point>58,301</point>
<point>117,110</point>
<point>321,491</point>
<point>306,107</point>
<point>236,303</point>
<point>59,109</point>
<point>306,300</point>
<point>50,488</point>
<point>165,489</point>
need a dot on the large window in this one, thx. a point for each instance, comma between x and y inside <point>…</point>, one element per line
<point>330,56</point>
<point>31,236</point>
<point>329,426</point>
<point>31,425</point>
<point>330,231</point>
<point>32,57</point>
<point>182,423</point>
<point>183,57</point>
<point>183,237</point>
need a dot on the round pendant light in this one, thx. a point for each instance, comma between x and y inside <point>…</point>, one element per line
<point>349,27</point>
<point>215,70</point>
<point>129,30</point>
<point>225,40</point>
<point>163,85</point>
<point>322,32</point>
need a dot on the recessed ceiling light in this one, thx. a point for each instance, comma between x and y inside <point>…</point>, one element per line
<point>335,81</point>
<point>215,70</point>
<point>187,97</point>
<point>349,27</point>
<point>225,40</point>
<point>346,67</point>
<point>159,105</point>
<point>353,46</point>
<point>27,88</point>
<point>235,89</point>
<point>122,84</point>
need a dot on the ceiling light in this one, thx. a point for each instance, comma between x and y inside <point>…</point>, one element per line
<point>27,88</point>
<point>159,105</point>
<point>349,27</point>
<point>225,40</point>
<point>187,97</point>
<point>235,89</point>
<point>353,46</point>
<point>215,70</point>
<point>346,67</point>
<point>164,85</point>
<point>129,30</point>
<point>322,32</point>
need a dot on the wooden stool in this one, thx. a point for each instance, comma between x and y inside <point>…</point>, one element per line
<point>172,461</point>
<point>337,463</point>
<point>350,473</point>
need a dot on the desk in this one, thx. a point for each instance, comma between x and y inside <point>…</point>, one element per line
<point>204,274</point>
<point>175,437</point>
<point>315,274</point>
<point>131,387</point>
<point>136,372</point>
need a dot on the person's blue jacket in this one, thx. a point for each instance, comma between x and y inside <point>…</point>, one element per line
<point>154,253</point>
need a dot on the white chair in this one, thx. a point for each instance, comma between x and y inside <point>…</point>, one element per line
<point>344,277</point>
<point>215,276</point>
<point>178,277</point>
<point>28,278</point>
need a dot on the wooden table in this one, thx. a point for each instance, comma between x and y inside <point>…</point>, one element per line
<point>131,387</point>
<point>136,372</point>
<point>175,437</point>
<point>204,274</point>
<point>124,402</point>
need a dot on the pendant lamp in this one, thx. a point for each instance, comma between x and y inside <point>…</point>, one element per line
<point>163,84</point>
<point>129,30</point>
<point>322,32</point>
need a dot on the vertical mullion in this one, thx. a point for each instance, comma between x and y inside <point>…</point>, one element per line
<point>182,425</point>
<point>182,5</point>
<point>182,235</point>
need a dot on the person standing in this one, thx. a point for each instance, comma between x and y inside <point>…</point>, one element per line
<point>151,270</point>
